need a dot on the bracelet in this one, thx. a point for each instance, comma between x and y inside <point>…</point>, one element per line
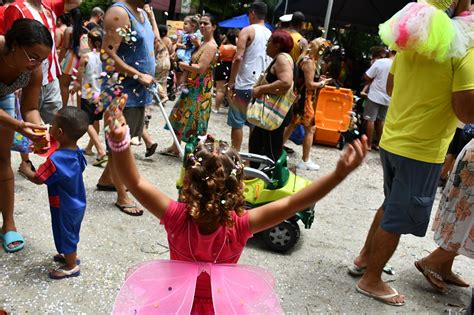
<point>119,146</point>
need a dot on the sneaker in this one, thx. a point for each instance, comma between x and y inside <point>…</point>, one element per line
<point>308,165</point>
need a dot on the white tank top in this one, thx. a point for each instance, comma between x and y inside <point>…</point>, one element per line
<point>92,75</point>
<point>255,59</point>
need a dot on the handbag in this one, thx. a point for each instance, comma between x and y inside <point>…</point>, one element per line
<point>269,110</point>
<point>20,143</point>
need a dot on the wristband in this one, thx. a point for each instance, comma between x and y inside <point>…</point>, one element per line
<point>119,146</point>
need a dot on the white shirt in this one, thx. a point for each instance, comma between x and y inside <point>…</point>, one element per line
<point>378,88</point>
<point>255,59</point>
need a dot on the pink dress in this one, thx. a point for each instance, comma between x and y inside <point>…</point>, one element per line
<point>186,243</point>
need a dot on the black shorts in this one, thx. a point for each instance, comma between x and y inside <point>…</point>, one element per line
<point>222,71</point>
<point>458,143</point>
<point>90,110</point>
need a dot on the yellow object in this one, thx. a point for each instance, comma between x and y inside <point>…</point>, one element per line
<point>174,27</point>
<point>420,122</point>
<point>440,4</point>
<point>296,51</point>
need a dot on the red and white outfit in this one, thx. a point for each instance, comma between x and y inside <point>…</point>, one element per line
<point>50,101</point>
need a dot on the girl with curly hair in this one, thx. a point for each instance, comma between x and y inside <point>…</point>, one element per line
<point>209,223</point>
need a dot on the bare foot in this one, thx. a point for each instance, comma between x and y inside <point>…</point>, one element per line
<point>379,290</point>
<point>359,261</point>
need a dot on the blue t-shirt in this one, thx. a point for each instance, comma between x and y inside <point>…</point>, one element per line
<point>139,54</point>
<point>62,173</point>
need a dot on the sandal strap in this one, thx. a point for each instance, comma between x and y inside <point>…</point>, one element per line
<point>69,272</point>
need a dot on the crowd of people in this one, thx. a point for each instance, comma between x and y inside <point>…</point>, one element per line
<point>109,62</point>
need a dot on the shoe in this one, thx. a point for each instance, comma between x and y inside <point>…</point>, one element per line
<point>288,150</point>
<point>382,298</point>
<point>99,161</point>
<point>135,141</point>
<point>12,237</point>
<point>151,150</point>
<point>308,165</point>
<point>215,111</point>
<point>76,271</point>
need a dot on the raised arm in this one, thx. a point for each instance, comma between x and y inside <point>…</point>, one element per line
<point>125,167</point>
<point>273,213</point>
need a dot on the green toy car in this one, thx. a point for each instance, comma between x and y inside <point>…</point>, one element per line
<point>271,182</point>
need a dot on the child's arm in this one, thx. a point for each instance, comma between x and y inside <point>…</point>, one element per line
<point>125,167</point>
<point>273,213</point>
<point>25,169</point>
<point>77,84</point>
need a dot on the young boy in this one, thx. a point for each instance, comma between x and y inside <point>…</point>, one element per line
<point>62,173</point>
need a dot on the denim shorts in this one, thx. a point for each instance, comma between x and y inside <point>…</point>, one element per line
<point>7,103</point>
<point>237,116</point>
<point>410,189</point>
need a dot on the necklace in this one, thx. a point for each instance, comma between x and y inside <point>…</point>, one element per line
<point>191,250</point>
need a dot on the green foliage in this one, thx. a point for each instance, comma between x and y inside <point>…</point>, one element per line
<point>87,6</point>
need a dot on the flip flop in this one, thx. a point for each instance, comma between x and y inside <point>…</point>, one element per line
<point>357,271</point>
<point>151,150</point>
<point>99,161</point>
<point>432,277</point>
<point>12,237</point>
<point>76,271</point>
<point>124,208</point>
<point>168,152</point>
<point>456,281</point>
<point>381,298</point>
<point>101,187</point>
<point>60,259</point>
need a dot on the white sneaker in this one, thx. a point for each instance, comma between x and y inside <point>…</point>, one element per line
<point>308,165</point>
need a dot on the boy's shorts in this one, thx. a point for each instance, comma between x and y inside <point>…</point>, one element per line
<point>7,103</point>
<point>66,226</point>
<point>135,117</point>
<point>409,188</point>
<point>374,111</point>
<point>90,109</point>
<point>237,116</point>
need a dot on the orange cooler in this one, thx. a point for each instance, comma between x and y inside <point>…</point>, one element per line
<point>332,114</point>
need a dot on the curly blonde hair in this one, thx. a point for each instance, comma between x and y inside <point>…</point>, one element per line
<point>212,185</point>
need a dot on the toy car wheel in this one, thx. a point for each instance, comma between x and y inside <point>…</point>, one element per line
<point>282,237</point>
<point>341,143</point>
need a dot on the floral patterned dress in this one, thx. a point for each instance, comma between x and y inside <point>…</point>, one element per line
<point>190,116</point>
<point>454,221</point>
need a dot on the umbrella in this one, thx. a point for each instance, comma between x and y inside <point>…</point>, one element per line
<point>240,21</point>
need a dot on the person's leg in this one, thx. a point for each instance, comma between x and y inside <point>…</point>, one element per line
<point>378,131</point>
<point>7,179</point>
<point>441,261</point>
<point>362,259</point>
<point>64,83</point>
<point>88,148</point>
<point>94,138</point>
<point>308,141</point>
<point>220,94</point>
<point>382,247</point>
<point>50,101</point>
<point>370,115</point>
<point>123,198</point>
<point>105,178</point>
<point>237,116</point>
<point>236,136</point>
<point>7,183</point>
<point>288,131</point>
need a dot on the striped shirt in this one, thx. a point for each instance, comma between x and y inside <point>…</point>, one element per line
<point>47,16</point>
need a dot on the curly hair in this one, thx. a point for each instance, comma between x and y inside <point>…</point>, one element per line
<point>213,184</point>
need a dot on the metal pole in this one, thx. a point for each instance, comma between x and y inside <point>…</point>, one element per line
<point>154,91</point>
<point>328,18</point>
<point>286,7</point>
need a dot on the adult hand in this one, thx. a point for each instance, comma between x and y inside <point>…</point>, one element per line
<point>352,157</point>
<point>27,129</point>
<point>182,65</point>
<point>257,92</point>
<point>149,10</point>
<point>145,79</point>
<point>76,87</point>
<point>195,41</point>
<point>114,119</point>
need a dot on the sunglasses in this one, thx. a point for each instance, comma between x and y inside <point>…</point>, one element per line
<point>34,61</point>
